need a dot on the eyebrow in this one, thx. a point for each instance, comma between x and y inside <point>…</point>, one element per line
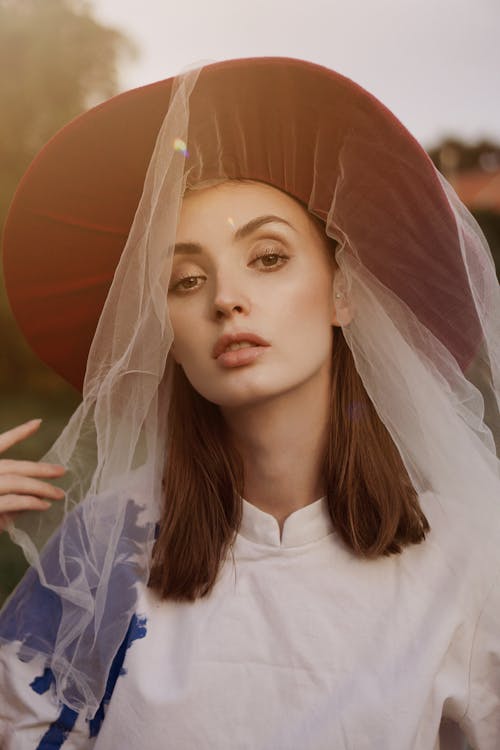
<point>240,233</point>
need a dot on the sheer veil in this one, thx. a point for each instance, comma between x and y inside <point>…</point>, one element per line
<point>421,306</point>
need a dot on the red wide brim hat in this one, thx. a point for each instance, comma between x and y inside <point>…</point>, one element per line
<point>277,120</point>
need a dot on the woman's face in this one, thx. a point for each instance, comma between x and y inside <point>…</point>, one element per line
<point>250,261</point>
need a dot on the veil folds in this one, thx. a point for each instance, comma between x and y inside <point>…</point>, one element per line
<point>415,270</point>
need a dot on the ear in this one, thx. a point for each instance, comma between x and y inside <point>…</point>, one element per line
<point>342,312</point>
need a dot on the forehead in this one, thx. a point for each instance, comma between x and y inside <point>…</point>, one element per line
<point>239,202</point>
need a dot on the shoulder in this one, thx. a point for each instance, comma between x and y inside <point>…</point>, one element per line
<point>466,540</point>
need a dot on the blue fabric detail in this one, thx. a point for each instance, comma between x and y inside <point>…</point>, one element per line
<point>32,614</point>
<point>22,619</point>
<point>41,684</point>
<point>137,629</point>
<point>58,731</point>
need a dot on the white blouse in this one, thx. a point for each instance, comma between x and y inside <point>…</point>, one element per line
<point>301,645</point>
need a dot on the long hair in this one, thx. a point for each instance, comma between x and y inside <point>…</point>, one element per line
<point>372,503</point>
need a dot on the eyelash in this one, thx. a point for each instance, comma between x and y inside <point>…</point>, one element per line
<point>268,253</point>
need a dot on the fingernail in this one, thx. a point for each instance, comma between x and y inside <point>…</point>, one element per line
<point>45,504</point>
<point>34,421</point>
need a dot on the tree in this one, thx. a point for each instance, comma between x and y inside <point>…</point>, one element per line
<point>56,60</point>
<point>453,155</point>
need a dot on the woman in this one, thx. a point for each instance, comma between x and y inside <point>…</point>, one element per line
<point>281,463</point>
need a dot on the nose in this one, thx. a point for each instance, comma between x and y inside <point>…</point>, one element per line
<point>230,298</point>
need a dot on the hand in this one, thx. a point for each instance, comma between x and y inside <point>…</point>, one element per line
<point>19,489</point>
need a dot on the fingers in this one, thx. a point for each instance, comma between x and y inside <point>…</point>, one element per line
<point>21,432</point>
<point>20,485</point>
<point>30,468</point>
<point>10,505</point>
<point>14,503</point>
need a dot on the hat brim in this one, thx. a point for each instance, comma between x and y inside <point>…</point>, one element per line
<point>276,117</point>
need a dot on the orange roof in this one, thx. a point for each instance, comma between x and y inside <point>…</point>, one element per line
<point>477,188</point>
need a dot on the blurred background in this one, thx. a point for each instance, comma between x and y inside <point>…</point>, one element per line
<point>435,67</point>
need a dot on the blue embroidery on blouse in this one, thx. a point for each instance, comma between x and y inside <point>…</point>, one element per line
<point>137,629</point>
<point>58,731</point>
<point>41,684</point>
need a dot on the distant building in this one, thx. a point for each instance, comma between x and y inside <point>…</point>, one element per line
<point>477,188</point>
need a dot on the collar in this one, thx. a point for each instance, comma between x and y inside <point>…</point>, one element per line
<point>308,524</point>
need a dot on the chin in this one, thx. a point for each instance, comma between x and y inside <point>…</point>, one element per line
<point>238,400</point>
<point>248,386</point>
<point>244,396</point>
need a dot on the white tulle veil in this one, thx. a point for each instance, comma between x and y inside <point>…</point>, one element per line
<point>423,326</point>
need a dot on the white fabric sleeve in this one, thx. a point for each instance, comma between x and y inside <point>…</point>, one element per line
<point>481,721</point>
<point>30,719</point>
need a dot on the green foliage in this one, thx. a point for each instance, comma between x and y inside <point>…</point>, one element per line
<point>55,61</point>
<point>12,566</point>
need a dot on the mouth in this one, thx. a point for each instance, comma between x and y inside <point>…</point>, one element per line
<point>232,343</point>
<point>243,355</point>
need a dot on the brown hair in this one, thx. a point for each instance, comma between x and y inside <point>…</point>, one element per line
<point>202,511</point>
<point>372,503</point>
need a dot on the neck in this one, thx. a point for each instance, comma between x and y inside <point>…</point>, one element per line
<point>282,442</point>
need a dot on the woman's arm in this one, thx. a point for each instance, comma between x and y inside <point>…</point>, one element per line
<point>481,721</point>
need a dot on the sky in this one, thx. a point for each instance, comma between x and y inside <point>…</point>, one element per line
<point>434,63</point>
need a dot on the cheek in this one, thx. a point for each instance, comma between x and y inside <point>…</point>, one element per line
<point>184,329</point>
<point>309,320</point>
<point>310,303</point>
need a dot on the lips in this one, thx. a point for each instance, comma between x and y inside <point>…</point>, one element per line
<point>234,338</point>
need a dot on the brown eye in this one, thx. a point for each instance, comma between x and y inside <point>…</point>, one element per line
<point>188,283</point>
<point>185,284</point>
<point>270,259</point>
